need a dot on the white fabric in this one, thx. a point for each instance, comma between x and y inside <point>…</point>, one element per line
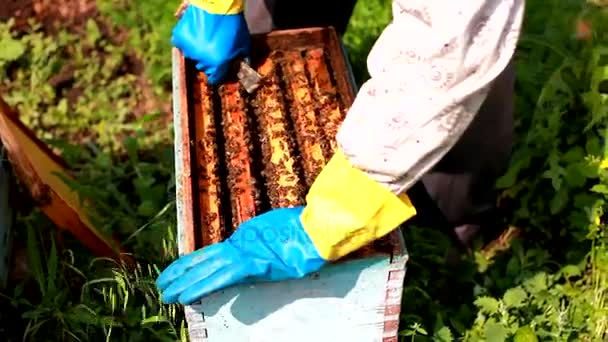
<point>430,72</point>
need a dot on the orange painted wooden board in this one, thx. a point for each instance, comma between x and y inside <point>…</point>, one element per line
<point>39,169</point>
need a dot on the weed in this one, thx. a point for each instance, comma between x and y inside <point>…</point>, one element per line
<point>76,93</point>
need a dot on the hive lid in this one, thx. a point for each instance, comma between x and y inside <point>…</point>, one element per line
<point>40,170</point>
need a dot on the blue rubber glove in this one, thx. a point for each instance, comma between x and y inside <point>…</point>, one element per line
<point>345,210</point>
<point>213,34</point>
<point>269,247</point>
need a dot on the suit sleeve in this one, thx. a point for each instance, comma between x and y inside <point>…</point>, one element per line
<point>430,71</point>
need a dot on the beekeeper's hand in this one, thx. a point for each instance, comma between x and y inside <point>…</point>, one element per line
<point>213,34</point>
<point>345,211</point>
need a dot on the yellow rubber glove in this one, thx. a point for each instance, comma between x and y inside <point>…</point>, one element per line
<point>347,210</point>
<point>225,7</point>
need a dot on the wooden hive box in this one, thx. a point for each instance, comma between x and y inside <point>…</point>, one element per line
<point>226,172</point>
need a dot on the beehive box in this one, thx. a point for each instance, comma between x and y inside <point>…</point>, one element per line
<point>239,155</point>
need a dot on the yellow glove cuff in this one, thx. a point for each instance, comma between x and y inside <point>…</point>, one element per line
<point>347,210</point>
<point>220,6</point>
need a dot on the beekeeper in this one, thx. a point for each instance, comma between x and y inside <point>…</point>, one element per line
<point>423,142</point>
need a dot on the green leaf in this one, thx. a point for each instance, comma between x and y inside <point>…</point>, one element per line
<point>575,176</point>
<point>593,147</point>
<point>513,266</point>
<point>11,50</point>
<point>600,188</point>
<point>131,145</point>
<point>486,304</point>
<point>147,208</point>
<point>537,283</point>
<point>589,170</point>
<point>103,161</point>
<point>525,334</point>
<point>571,271</point>
<point>495,332</point>
<point>574,154</point>
<point>559,201</point>
<point>515,297</point>
<point>443,335</point>
<point>93,32</point>
<point>52,265</point>
<point>510,177</point>
<point>34,256</point>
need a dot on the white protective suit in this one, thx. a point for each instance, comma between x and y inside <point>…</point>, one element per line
<point>430,72</point>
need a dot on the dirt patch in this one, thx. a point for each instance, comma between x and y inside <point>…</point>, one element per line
<point>72,15</point>
<point>48,12</point>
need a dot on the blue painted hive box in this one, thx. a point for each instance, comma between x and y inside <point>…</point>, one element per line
<point>240,154</point>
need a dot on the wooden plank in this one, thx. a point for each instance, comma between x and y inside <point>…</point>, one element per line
<point>183,168</point>
<point>342,302</point>
<point>43,174</point>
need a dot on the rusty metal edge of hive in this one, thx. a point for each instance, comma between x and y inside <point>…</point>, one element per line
<point>183,169</point>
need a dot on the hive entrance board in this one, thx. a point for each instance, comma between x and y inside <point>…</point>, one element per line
<point>250,153</point>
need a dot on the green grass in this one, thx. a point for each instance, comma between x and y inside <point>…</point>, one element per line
<point>368,20</point>
<point>553,282</point>
<point>549,286</point>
